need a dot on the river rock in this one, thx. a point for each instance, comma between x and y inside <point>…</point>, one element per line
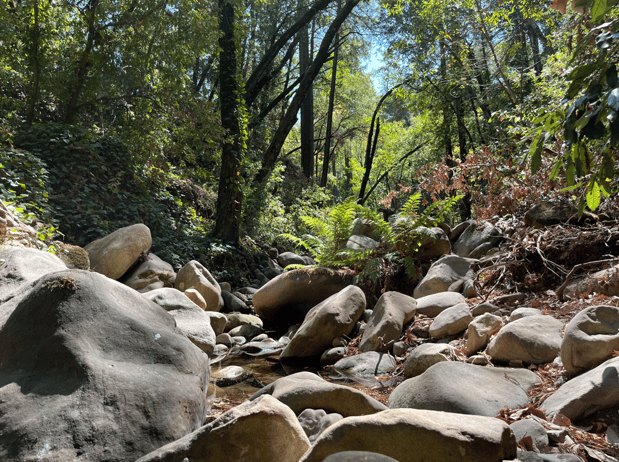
<point>334,317</point>
<point>480,330</point>
<point>232,303</point>
<point>547,213</point>
<point>605,282</point>
<point>189,317</point>
<point>451,321</point>
<point>115,253</point>
<point>366,228</point>
<point>20,266</point>
<point>523,312</point>
<point>151,274</point>
<point>305,390</point>
<point>315,421</point>
<point>425,356</point>
<point>534,429</point>
<point>477,239</point>
<point>332,356</point>
<point>452,386</point>
<point>434,243</point>
<point>532,340</point>
<point>457,231</point>
<point>240,319</point>
<point>432,305</point>
<point>367,364</point>
<point>218,321</point>
<point>391,313</point>
<point>91,370</point>
<point>197,298</point>
<point>586,394</point>
<point>443,273</point>
<point>590,338</point>
<point>195,276</point>
<point>287,298</point>
<point>263,430</point>
<point>291,258</point>
<point>359,242</point>
<point>358,456</point>
<point>412,435</point>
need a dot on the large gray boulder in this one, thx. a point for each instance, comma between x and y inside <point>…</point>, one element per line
<point>190,318</point>
<point>432,305</point>
<point>291,258</point>
<point>480,330</point>
<point>391,313</point>
<point>369,364</point>
<point>605,282</point>
<point>425,356</point>
<point>332,318</point>
<point>195,276</point>
<point>434,243</point>
<point>443,273</point>
<point>316,421</point>
<point>477,240</point>
<point>153,273</point>
<point>305,390</point>
<point>287,298</point>
<point>115,253</point>
<point>91,370</point>
<point>451,321</point>
<point>547,213</point>
<point>411,435</point>
<point>532,340</point>
<point>586,394</point>
<point>465,389</point>
<point>263,430</point>
<point>360,242</point>
<point>590,338</point>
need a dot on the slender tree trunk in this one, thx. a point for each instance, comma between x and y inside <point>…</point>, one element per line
<point>447,113</point>
<point>307,107</point>
<point>230,196</point>
<point>34,55</point>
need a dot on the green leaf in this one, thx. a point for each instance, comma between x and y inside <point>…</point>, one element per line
<point>571,188</point>
<point>581,206</point>
<point>536,153</point>
<point>570,174</point>
<point>598,9</point>
<point>594,196</point>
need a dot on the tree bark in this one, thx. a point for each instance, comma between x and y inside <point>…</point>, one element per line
<point>34,93</point>
<point>307,107</point>
<point>230,196</point>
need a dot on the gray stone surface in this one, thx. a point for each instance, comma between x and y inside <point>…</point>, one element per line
<point>195,276</point>
<point>477,239</point>
<point>432,305</point>
<point>480,330</point>
<point>315,421</point>
<point>443,273</point>
<point>534,429</point>
<point>151,274</point>
<point>371,363</point>
<point>424,356</point>
<point>451,321</point>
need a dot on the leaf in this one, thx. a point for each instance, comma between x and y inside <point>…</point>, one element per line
<point>559,5</point>
<point>581,206</point>
<point>536,153</point>
<point>594,196</point>
<point>598,9</point>
<point>571,188</point>
<point>582,71</point>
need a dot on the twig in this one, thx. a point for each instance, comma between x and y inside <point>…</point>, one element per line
<point>561,289</point>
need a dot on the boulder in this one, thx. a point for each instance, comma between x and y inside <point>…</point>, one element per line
<point>480,330</point>
<point>443,273</point>
<point>315,421</point>
<point>20,266</point>
<point>115,253</point>
<point>358,456</point>
<point>287,298</point>
<point>91,370</point>
<point>153,273</point>
<point>548,213</point>
<point>232,303</point>
<point>194,296</point>
<point>523,312</point>
<point>190,318</point>
<point>305,390</point>
<point>605,282</point>
<point>586,394</point>
<point>332,356</point>
<point>367,364</point>
<point>451,321</point>
<point>425,356</point>
<point>263,430</point>
<point>534,429</point>
<point>391,313</point>
<point>463,388</point>
<point>195,276</point>
<point>291,258</point>
<point>432,305</point>
<point>477,239</point>
<point>366,228</point>
<point>218,321</point>
<point>359,242</point>
<point>412,435</point>
<point>332,318</point>
<point>434,243</point>
<point>532,340</point>
<point>590,338</point>
<point>240,319</point>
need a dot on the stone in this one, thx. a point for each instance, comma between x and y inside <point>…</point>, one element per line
<point>605,282</point>
<point>115,253</point>
<point>196,297</point>
<point>391,313</point>
<point>334,317</point>
<point>218,321</point>
<point>369,364</point>
<point>434,243</point>
<point>153,273</point>
<point>359,242</point>
<point>305,390</point>
<point>400,348</point>
<point>240,319</point>
<point>590,338</point>
<point>232,303</point>
<point>21,266</point>
<point>358,456</point>
<point>587,393</point>
<point>412,435</point>
<point>463,388</point>
<point>366,228</point>
<point>480,330</point>
<point>425,356</point>
<point>73,256</point>
<point>484,307</point>
<point>532,340</point>
<point>451,321</point>
<point>315,421</point>
<point>224,339</point>
<point>291,258</point>
<point>229,375</point>
<point>91,370</point>
<point>225,286</point>
<point>547,213</point>
<point>530,456</point>
<point>263,430</point>
<point>457,231</point>
<point>247,331</point>
<point>332,356</point>
<point>195,276</point>
<point>443,273</point>
<point>287,298</point>
<point>432,305</point>
<point>523,312</point>
<point>534,429</point>
<point>477,239</point>
<point>190,318</point>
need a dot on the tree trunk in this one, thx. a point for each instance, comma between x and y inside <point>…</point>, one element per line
<point>34,56</point>
<point>230,196</point>
<point>307,107</point>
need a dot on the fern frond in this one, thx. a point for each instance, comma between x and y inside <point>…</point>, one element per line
<point>412,204</point>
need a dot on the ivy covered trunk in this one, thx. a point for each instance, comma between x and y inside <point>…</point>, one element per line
<point>230,197</point>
